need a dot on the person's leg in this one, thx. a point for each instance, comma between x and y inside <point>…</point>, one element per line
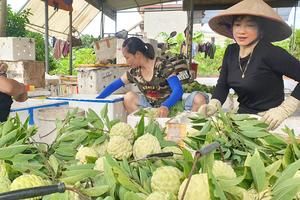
<point>195,100</point>
<point>131,101</point>
<point>134,101</point>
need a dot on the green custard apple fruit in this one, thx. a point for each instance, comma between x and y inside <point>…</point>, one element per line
<point>145,145</point>
<point>118,147</point>
<point>4,185</point>
<point>174,149</point>
<point>197,189</point>
<point>123,129</point>
<point>83,152</point>
<point>28,181</point>
<point>221,168</point>
<point>161,196</point>
<point>166,179</point>
<point>101,148</point>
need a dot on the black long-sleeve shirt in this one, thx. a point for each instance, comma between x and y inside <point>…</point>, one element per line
<point>262,87</point>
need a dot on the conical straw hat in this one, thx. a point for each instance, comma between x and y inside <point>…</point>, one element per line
<point>275,28</point>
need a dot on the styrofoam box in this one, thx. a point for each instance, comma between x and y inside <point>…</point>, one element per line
<point>133,120</point>
<point>116,109</point>
<point>94,80</point>
<point>32,106</point>
<point>16,49</point>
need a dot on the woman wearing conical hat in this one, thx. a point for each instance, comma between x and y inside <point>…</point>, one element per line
<point>253,67</point>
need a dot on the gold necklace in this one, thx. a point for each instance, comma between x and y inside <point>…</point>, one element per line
<point>243,75</point>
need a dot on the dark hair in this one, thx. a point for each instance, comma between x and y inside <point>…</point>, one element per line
<point>134,44</point>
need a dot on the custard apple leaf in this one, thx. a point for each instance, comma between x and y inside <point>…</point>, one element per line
<point>214,188</point>
<point>141,127</point>
<point>131,196</point>
<point>109,174</point>
<point>75,144</point>
<point>57,196</point>
<point>96,121</point>
<point>94,133</point>
<point>80,167</point>
<point>21,158</point>
<point>187,168</point>
<point>121,191</point>
<point>7,127</point>
<point>22,167</point>
<point>258,172</point>
<point>108,124</point>
<point>104,111</point>
<point>287,189</point>
<point>275,140</point>
<point>143,175</point>
<point>207,161</point>
<point>226,182</point>
<point>233,193</point>
<point>292,136</point>
<point>101,139</point>
<point>167,162</point>
<point>12,150</point>
<point>87,173</point>
<point>79,124</point>
<point>187,155</point>
<point>65,151</point>
<point>272,169</point>
<point>73,179</point>
<point>287,173</point>
<point>8,137</point>
<point>72,136</point>
<point>54,163</point>
<point>125,166</point>
<point>58,123</point>
<point>111,161</point>
<point>125,180</point>
<point>95,191</point>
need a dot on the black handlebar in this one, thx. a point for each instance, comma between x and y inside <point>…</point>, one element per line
<point>33,192</point>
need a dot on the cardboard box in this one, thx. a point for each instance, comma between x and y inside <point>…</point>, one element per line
<point>16,49</point>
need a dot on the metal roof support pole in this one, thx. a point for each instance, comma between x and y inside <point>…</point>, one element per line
<point>190,31</point>
<point>3,17</point>
<point>102,19</point>
<point>46,37</point>
<point>293,37</point>
<point>70,44</point>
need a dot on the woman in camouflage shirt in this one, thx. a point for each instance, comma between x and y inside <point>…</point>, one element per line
<point>155,78</point>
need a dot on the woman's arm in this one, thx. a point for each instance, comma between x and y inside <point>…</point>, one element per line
<point>13,88</point>
<point>113,87</point>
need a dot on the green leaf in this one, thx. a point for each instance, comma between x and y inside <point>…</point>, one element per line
<point>125,180</point>
<point>104,111</point>
<point>255,134</point>
<point>258,171</point>
<point>65,151</point>
<point>187,155</point>
<point>101,139</point>
<point>75,144</point>
<point>289,154</point>
<point>79,124</point>
<point>240,117</point>
<point>87,172</point>
<point>215,191</point>
<point>19,158</point>
<point>247,123</point>
<point>109,175</point>
<point>73,179</point>
<point>7,126</point>
<point>53,163</point>
<point>95,191</point>
<point>58,123</point>
<point>97,121</point>
<point>72,136</point>
<point>75,111</point>
<point>10,151</point>
<point>8,137</point>
<point>80,167</point>
<point>287,189</point>
<point>131,196</point>
<point>287,173</point>
<point>206,127</point>
<point>275,140</point>
<point>141,127</point>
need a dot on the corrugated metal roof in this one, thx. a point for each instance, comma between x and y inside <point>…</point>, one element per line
<point>83,13</point>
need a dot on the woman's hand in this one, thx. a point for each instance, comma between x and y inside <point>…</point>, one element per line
<point>23,96</point>
<point>163,112</point>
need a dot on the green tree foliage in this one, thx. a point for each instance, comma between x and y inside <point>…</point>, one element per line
<point>87,41</point>
<point>16,22</point>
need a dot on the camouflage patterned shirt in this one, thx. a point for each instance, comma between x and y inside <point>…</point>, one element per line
<point>158,89</point>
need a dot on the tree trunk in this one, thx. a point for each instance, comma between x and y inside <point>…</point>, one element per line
<point>3,13</point>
